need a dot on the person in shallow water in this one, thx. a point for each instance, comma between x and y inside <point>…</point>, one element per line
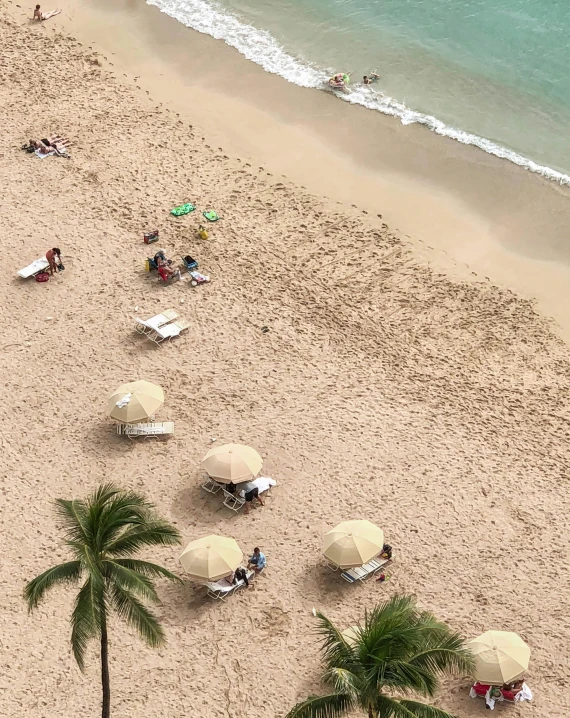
<point>372,77</point>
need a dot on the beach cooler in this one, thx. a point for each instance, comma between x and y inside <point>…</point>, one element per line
<point>150,237</point>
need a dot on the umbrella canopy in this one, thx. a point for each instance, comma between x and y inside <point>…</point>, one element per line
<point>353,543</point>
<point>351,634</point>
<point>211,558</point>
<point>500,657</point>
<point>135,401</point>
<point>232,463</point>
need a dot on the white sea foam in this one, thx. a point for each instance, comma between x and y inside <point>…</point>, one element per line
<point>262,48</point>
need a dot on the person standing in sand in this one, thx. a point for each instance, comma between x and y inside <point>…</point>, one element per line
<point>39,15</point>
<point>51,254</point>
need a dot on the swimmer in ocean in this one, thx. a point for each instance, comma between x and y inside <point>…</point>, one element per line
<point>369,79</point>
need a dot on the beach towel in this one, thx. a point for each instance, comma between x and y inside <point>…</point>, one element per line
<point>182,209</point>
<point>211,216</point>
<point>41,156</point>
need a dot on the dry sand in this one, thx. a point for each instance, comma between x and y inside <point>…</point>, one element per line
<point>384,389</point>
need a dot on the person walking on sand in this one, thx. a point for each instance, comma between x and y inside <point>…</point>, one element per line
<point>39,15</point>
<point>51,255</point>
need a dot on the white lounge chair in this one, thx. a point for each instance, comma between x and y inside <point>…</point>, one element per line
<point>233,501</point>
<point>37,266</point>
<point>169,331</point>
<point>223,588</point>
<point>360,573</point>
<point>164,428</point>
<point>211,486</point>
<point>148,326</point>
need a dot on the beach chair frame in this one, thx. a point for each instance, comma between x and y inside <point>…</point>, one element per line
<point>211,485</point>
<point>233,501</point>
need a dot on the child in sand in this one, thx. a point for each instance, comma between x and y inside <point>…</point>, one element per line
<point>39,15</point>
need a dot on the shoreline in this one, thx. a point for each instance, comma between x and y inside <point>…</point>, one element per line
<point>464,210</point>
<point>385,388</point>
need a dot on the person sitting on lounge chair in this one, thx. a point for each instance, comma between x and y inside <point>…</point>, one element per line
<point>386,551</point>
<point>258,561</point>
<point>240,574</point>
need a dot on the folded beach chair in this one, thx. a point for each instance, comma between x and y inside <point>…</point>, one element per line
<point>233,501</point>
<point>211,486</point>
<point>169,331</point>
<point>164,428</point>
<point>37,266</point>
<point>148,326</point>
<point>360,573</point>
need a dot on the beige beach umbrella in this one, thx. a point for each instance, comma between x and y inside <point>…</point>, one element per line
<point>351,634</point>
<point>500,657</point>
<point>232,463</point>
<point>135,401</point>
<point>353,543</point>
<point>211,558</point>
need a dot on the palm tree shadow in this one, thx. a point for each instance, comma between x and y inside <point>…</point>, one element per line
<point>188,500</point>
<point>184,602</point>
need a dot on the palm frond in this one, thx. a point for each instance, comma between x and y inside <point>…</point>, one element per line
<point>331,706</point>
<point>86,618</point>
<point>146,568</point>
<point>123,509</point>
<point>158,533</point>
<point>405,677</point>
<point>449,656</point>
<point>343,681</point>
<point>133,581</point>
<point>135,614</point>
<point>35,590</point>
<point>337,652</point>
<point>73,519</point>
<point>422,710</point>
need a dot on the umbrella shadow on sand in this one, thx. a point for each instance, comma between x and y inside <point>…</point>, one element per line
<point>192,500</point>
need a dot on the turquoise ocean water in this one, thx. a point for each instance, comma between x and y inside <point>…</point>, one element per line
<point>492,74</point>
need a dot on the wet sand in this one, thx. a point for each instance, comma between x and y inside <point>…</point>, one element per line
<point>392,385</point>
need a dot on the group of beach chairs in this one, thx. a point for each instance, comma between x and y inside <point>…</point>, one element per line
<point>236,501</point>
<point>361,573</point>
<point>162,327</point>
<point>147,430</point>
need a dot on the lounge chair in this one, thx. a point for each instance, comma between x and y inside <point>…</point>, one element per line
<point>211,486</point>
<point>233,501</point>
<point>148,326</point>
<point>169,331</point>
<point>222,589</point>
<point>360,573</point>
<point>163,428</point>
<point>37,266</point>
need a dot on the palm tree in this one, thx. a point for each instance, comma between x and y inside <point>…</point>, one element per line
<point>398,649</point>
<point>104,532</point>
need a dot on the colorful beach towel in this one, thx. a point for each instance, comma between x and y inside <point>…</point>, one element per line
<point>182,209</point>
<point>211,216</point>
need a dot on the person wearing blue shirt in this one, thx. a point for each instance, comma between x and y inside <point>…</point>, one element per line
<point>257,562</point>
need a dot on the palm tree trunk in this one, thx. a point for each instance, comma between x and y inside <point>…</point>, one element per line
<point>105,683</point>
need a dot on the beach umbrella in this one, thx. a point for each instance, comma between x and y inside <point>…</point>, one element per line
<point>232,463</point>
<point>500,657</point>
<point>135,401</point>
<point>211,558</point>
<point>353,543</point>
<point>351,634</point>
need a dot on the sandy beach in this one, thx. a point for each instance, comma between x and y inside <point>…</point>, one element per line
<point>395,383</point>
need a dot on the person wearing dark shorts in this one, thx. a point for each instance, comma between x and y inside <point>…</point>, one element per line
<point>251,493</point>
